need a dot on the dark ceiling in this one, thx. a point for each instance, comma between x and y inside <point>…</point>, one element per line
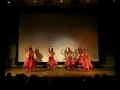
<point>49,2</point>
<point>55,2</point>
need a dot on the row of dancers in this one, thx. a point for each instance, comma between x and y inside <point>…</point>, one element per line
<point>83,60</point>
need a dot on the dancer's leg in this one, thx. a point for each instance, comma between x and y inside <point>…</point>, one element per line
<point>50,67</point>
<point>54,67</point>
<point>72,66</point>
<point>30,69</point>
<point>68,67</point>
<point>27,69</point>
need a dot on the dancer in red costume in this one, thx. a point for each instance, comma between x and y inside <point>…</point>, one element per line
<point>81,57</point>
<point>69,61</point>
<point>29,63</point>
<point>87,65</point>
<point>51,61</point>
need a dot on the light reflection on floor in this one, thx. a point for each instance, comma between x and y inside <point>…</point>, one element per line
<point>61,72</point>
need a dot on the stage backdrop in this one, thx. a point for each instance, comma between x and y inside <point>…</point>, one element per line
<point>59,30</point>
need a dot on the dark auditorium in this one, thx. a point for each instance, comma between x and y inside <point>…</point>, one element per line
<point>58,44</point>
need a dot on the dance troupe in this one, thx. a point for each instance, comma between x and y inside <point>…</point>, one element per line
<point>83,60</point>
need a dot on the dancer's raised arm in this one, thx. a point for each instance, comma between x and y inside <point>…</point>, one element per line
<point>26,49</point>
<point>49,49</point>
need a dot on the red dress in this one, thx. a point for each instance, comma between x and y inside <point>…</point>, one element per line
<point>30,60</point>
<point>87,64</point>
<point>81,57</point>
<point>51,61</point>
<point>69,61</point>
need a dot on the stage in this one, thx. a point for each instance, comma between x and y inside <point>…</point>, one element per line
<point>61,72</point>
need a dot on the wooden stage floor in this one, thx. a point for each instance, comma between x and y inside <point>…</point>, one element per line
<point>61,72</point>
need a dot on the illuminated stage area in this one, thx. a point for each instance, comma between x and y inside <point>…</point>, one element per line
<point>85,28</point>
<point>61,72</point>
<point>59,30</point>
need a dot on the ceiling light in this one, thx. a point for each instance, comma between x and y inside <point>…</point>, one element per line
<point>113,0</point>
<point>34,1</point>
<point>61,0</point>
<point>8,2</point>
<point>88,0</point>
